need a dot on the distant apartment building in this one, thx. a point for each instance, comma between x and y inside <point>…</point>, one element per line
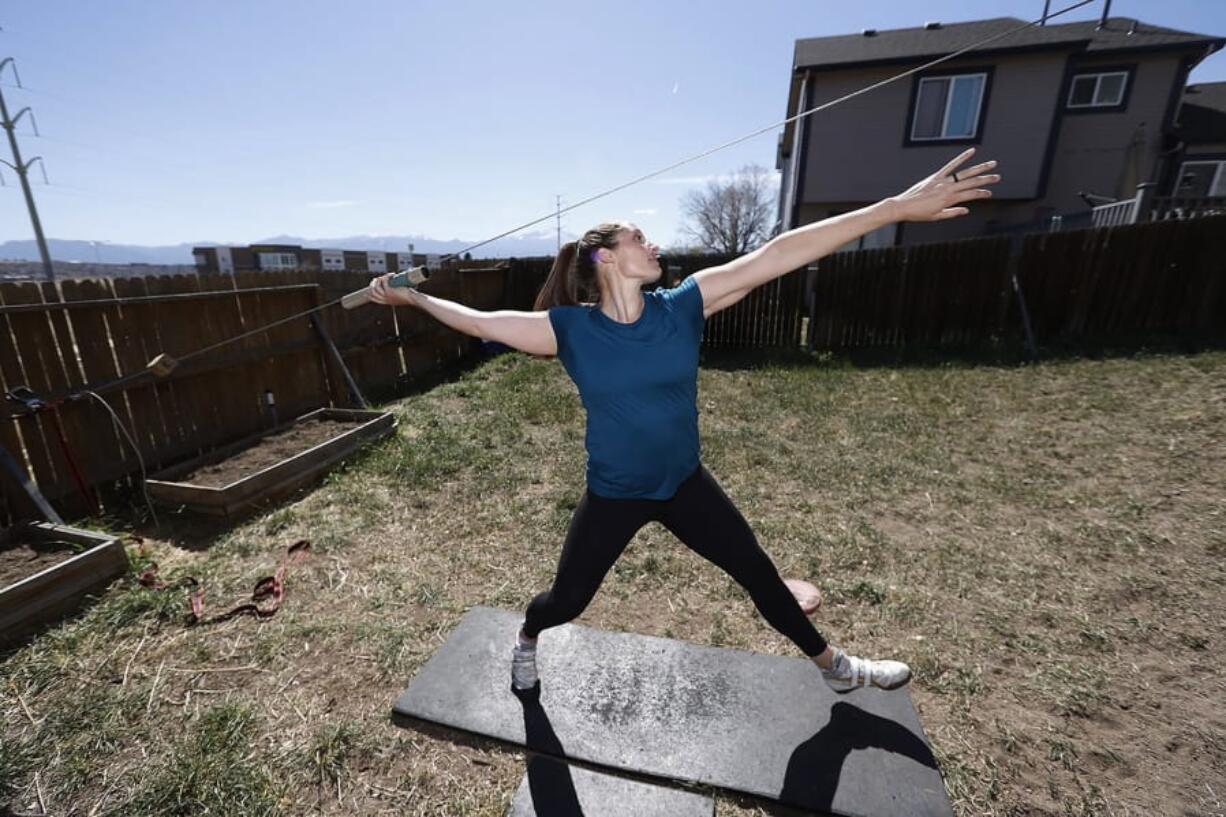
<point>270,257</point>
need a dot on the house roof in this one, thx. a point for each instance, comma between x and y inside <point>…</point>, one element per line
<point>1202,118</point>
<point>902,44</point>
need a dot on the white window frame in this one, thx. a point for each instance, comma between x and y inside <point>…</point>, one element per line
<point>1219,176</point>
<point>1098,84</point>
<point>278,260</point>
<point>944,137</point>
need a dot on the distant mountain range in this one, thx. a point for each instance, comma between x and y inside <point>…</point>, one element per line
<point>521,246</point>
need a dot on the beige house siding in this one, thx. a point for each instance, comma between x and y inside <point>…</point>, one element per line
<point>1095,151</point>
<point>857,148</point>
<point>857,152</point>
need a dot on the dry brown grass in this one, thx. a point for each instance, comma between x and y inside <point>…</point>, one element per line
<point>1044,544</point>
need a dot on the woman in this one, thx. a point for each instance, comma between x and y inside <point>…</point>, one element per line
<point>634,358</point>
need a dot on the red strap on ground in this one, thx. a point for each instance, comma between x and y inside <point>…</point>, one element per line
<point>268,587</point>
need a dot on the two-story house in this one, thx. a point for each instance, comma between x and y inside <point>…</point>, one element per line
<point>1085,107</point>
<point>1201,128</point>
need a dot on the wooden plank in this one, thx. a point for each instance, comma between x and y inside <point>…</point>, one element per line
<point>133,332</point>
<point>259,309</point>
<point>913,320</point>
<point>97,361</point>
<point>180,333</point>
<point>1167,276</point>
<point>819,311</point>
<point>61,588</point>
<point>887,307</point>
<point>243,408</point>
<point>73,417</point>
<point>944,294</point>
<point>17,504</point>
<point>838,302</point>
<point>304,380</point>
<point>1137,251</point>
<point>955,300</point>
<point>275,480</point>
<point>754,316</point>
<point>778,301</point>
<point>880,307</point>
<point>1097,250</point>
<point>1206,303</point>
<point>31,363</point>
<point>859,290</point>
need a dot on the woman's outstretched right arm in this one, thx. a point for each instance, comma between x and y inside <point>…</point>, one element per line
<point>529,332</point>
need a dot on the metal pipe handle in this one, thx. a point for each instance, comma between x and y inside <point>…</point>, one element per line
<point>408,278</point>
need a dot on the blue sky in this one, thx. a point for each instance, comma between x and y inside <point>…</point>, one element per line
<point>187,121</point>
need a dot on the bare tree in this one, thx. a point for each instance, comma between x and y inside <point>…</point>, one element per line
<point>732,215</point>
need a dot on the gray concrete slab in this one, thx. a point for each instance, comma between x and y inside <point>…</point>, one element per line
<point>758,724</point>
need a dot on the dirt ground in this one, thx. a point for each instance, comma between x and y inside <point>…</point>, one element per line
<point>268,451</point>
<point>20,560</point>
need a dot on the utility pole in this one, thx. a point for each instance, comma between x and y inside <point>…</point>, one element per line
<point>558,210</point>
<point>22,169</point>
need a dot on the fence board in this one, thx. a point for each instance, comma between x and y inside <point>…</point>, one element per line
<point>133,335</point>
<point>97,363</point>
<point>1156,277</point>
<point>35,364</point>
<point>12,431</point>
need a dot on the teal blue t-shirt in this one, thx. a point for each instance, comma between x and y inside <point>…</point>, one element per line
<point>639,384</point>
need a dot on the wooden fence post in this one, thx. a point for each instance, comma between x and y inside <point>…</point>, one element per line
<point>1015,257</point>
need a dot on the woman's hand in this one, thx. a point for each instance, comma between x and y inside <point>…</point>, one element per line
<point>382,293</point>
<point>938,197</point>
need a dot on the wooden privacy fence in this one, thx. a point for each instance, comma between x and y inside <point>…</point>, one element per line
<point>1151,278</point>
<point>769,316</point>
<point>58,338</point>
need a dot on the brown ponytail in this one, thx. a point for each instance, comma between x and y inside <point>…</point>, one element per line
<point>572,280</point>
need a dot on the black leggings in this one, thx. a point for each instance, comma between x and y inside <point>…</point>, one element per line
<point>702,516</point>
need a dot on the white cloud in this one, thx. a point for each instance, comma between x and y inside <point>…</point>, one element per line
<point>330,205</point>
<point>676,87</point>
<point>646,211</point>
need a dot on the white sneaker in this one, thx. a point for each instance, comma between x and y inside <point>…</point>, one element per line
<point>523,666</point>
<point>849,672</point>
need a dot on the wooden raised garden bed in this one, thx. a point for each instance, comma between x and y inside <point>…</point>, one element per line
<point>47,570</point>
<point>268,465</point>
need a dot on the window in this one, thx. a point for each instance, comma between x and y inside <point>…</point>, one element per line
<point>1098,90</point>
<point>1201,180</point>
<point>278,260</point>
<point>948,107</point>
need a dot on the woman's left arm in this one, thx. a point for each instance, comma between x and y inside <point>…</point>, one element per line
<point>934,198</point>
